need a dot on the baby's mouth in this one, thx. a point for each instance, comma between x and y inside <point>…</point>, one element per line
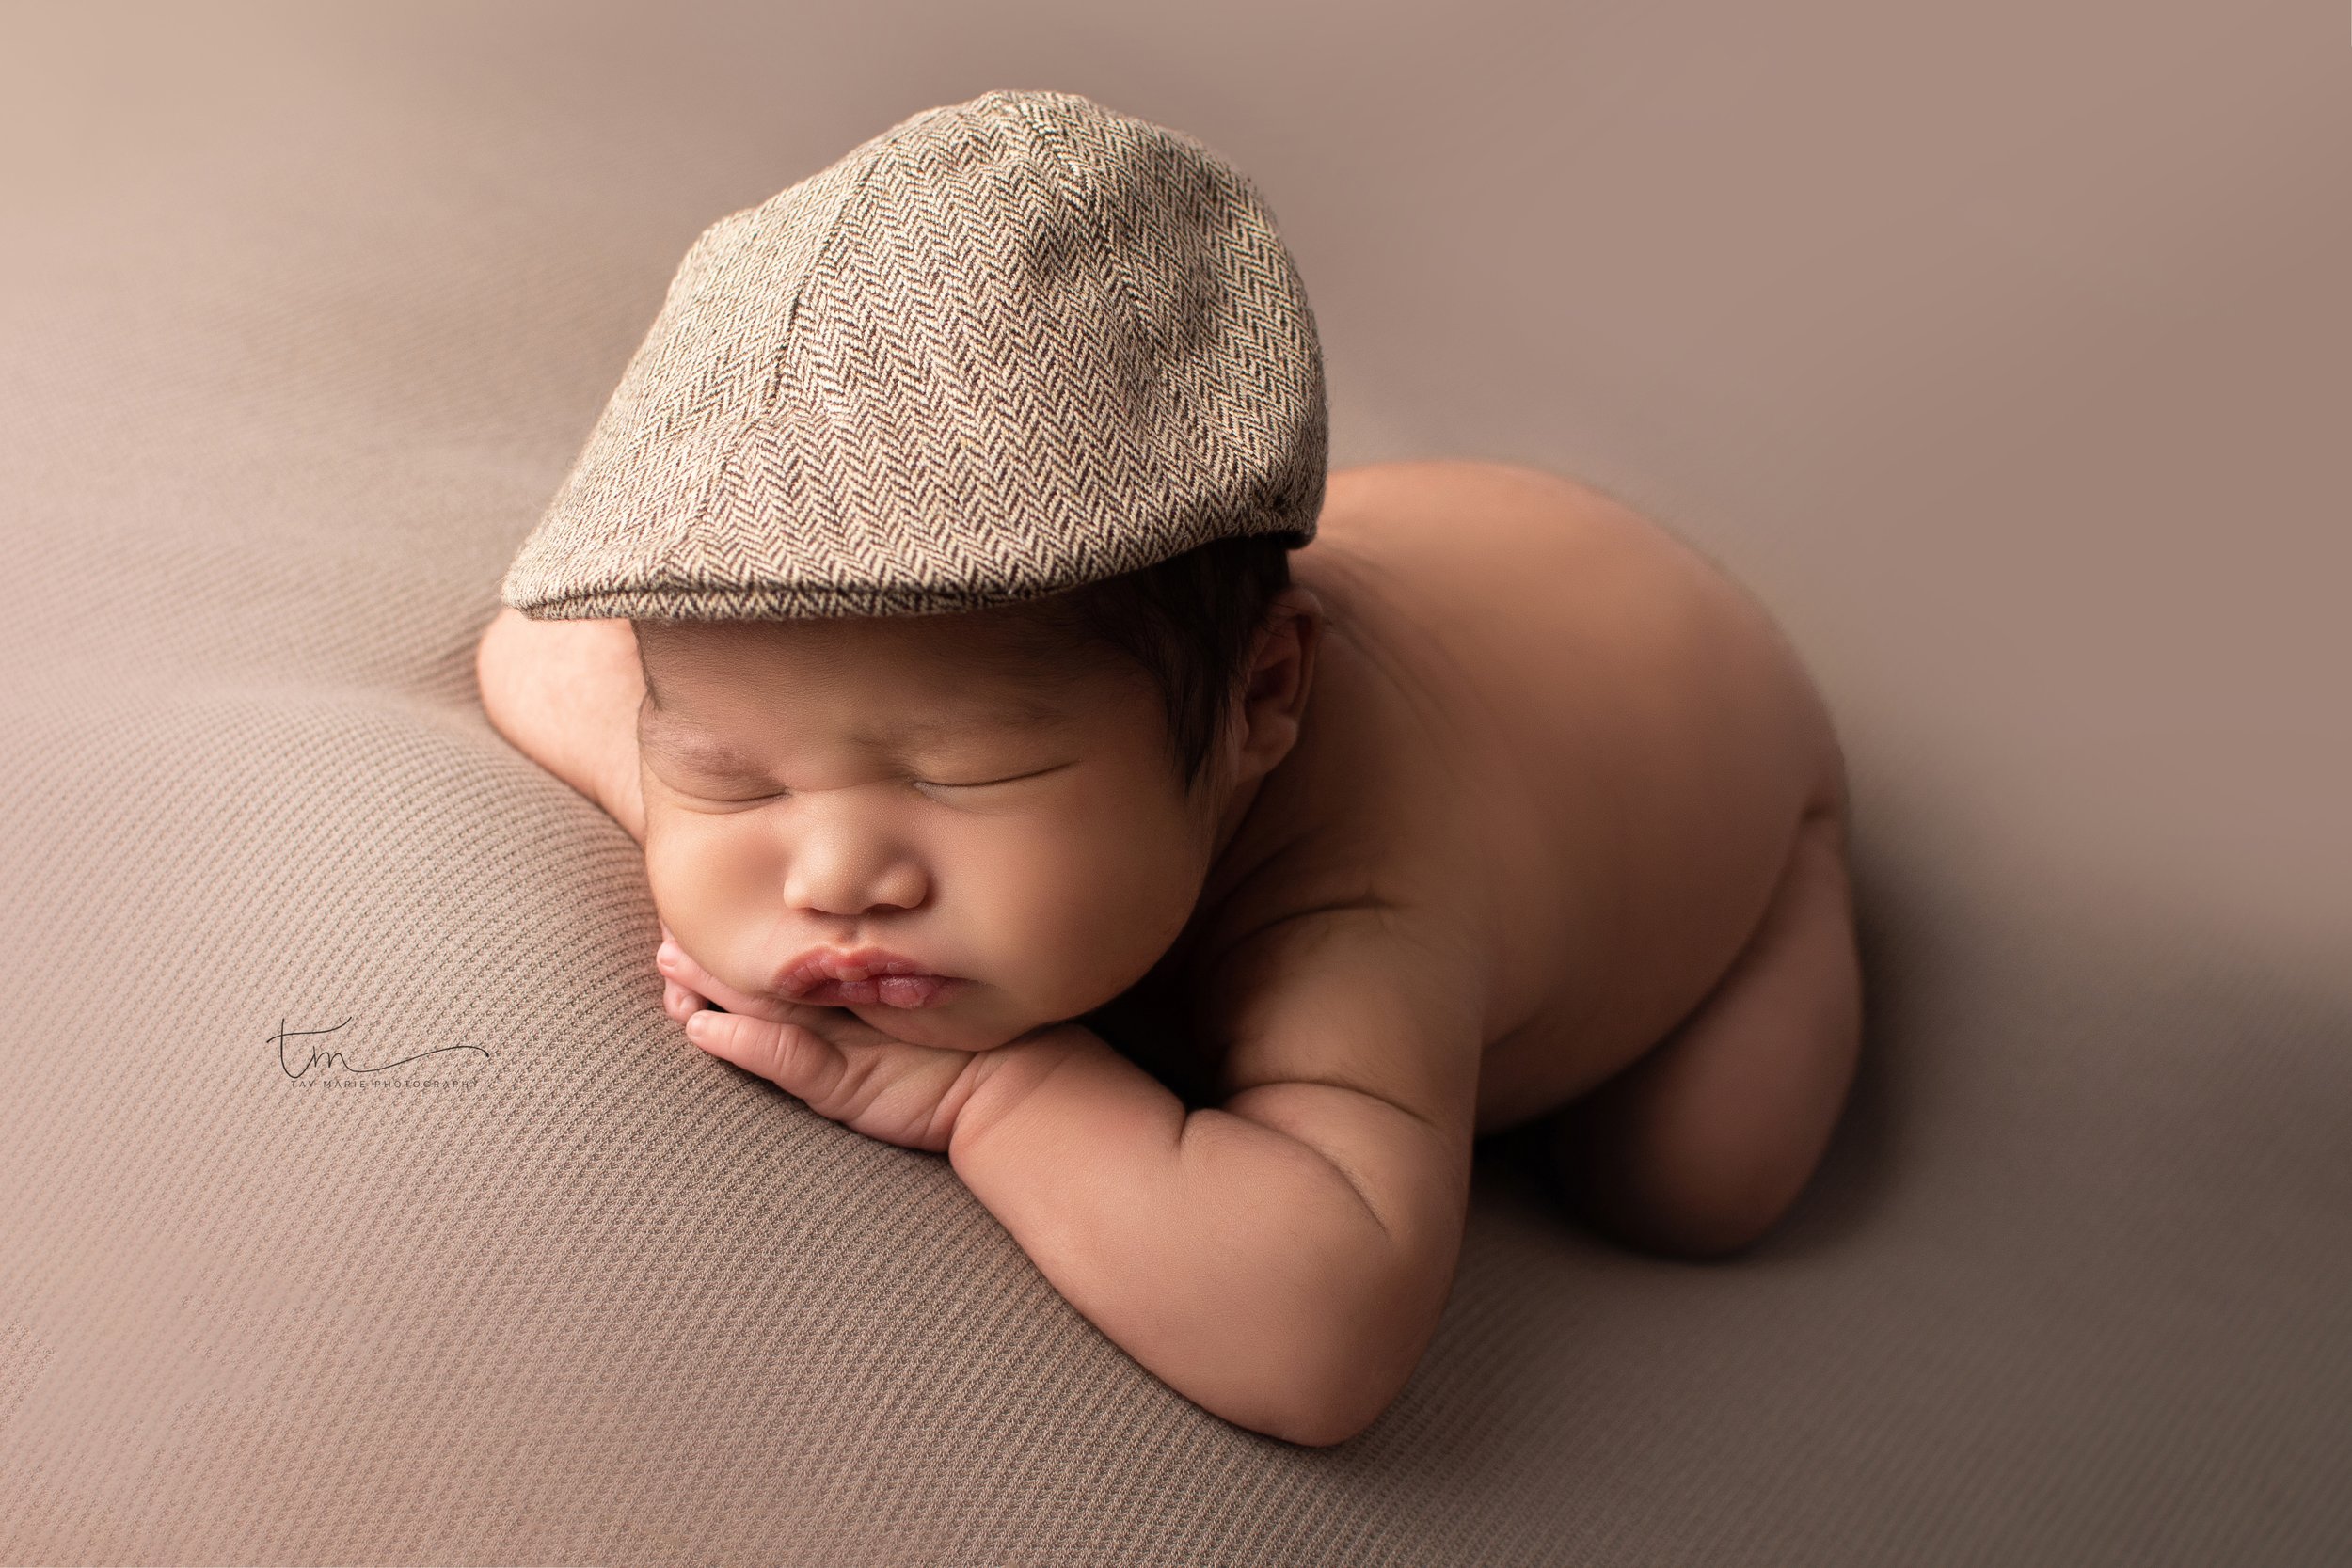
<point>887,990</point>
<point>865,977</point>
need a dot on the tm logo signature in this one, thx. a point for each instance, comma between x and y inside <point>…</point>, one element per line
<point>287,1050</point>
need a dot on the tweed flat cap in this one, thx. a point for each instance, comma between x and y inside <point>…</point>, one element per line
<point>1006,347</point>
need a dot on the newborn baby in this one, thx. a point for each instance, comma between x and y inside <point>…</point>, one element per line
<point>1519,812</point>
<point>1203,913</point>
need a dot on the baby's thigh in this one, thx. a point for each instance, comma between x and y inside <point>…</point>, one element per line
<point>1707,1140</point>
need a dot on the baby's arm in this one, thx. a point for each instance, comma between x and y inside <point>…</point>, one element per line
<point>565,693</point>
<point>1282,1260</point>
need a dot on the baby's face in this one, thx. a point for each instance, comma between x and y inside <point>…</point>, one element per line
<point>918,785</point>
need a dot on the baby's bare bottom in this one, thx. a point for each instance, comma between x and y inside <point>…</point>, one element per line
<point>1702,1144</point>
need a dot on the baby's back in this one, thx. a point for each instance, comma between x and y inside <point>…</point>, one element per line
<point>1567,751</point>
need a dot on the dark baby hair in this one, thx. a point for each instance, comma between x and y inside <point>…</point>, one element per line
<point>1187,622</point>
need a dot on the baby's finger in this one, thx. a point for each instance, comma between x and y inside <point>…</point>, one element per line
<point>680,1002</point>
<point>676,965</point>
<point>794,1059</point>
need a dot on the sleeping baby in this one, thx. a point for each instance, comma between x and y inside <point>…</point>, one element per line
<point>1040,760</point>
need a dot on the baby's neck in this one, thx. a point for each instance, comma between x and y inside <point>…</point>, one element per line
<point>1152,1020</point>
<point>1236,853</point>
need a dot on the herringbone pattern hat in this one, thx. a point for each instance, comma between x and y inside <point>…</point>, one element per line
<point>1006,347</point>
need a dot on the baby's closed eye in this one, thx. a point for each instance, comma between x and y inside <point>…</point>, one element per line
<point>991,783</point>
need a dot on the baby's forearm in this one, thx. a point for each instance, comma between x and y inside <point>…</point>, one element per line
<point>565,693</point>
<point>1232,1261</point>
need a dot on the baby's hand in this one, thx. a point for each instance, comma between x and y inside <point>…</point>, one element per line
<point>841,1066</point>
<point>680,1001</point>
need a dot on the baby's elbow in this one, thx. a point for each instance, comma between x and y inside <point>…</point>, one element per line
<point>1343,1399</point>
<point>1280,1399</point>
<point>1362,1350</point>
<point>1331,1417</point>
<point>1325,1428</point>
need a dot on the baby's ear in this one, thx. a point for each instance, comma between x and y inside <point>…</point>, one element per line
<point>1288,641</point>
<point>1280,678</point>
<point>1296,598</point>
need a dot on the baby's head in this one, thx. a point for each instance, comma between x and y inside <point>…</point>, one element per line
<point>1027,797</point>
<point>949,494</point>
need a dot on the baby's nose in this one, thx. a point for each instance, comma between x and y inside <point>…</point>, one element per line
<point>849,880</point>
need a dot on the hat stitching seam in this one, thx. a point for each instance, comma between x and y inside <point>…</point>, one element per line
<point>1049,135</point>
<point>751,421</point>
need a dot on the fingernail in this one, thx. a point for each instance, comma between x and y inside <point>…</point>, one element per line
<point>666,953</point>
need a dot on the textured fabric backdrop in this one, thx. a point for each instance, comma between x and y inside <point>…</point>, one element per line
<point>2002,348</point>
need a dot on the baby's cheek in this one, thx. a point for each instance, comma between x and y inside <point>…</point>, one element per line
<point>685,895</point>
<point>1099,912</point>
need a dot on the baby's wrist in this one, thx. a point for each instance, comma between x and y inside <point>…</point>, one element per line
<point>1008,1075</point>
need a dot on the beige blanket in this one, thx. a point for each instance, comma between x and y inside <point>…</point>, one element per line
<point>2002,349</point>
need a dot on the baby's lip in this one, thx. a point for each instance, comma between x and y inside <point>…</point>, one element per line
<point>820,967</point>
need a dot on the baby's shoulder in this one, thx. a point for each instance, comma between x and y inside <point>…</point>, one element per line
<point>1361,994</point>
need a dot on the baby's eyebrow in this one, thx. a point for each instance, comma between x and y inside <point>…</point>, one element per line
<point>695,750</point>
<point>1020,712</point>
<point>658,730</point>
